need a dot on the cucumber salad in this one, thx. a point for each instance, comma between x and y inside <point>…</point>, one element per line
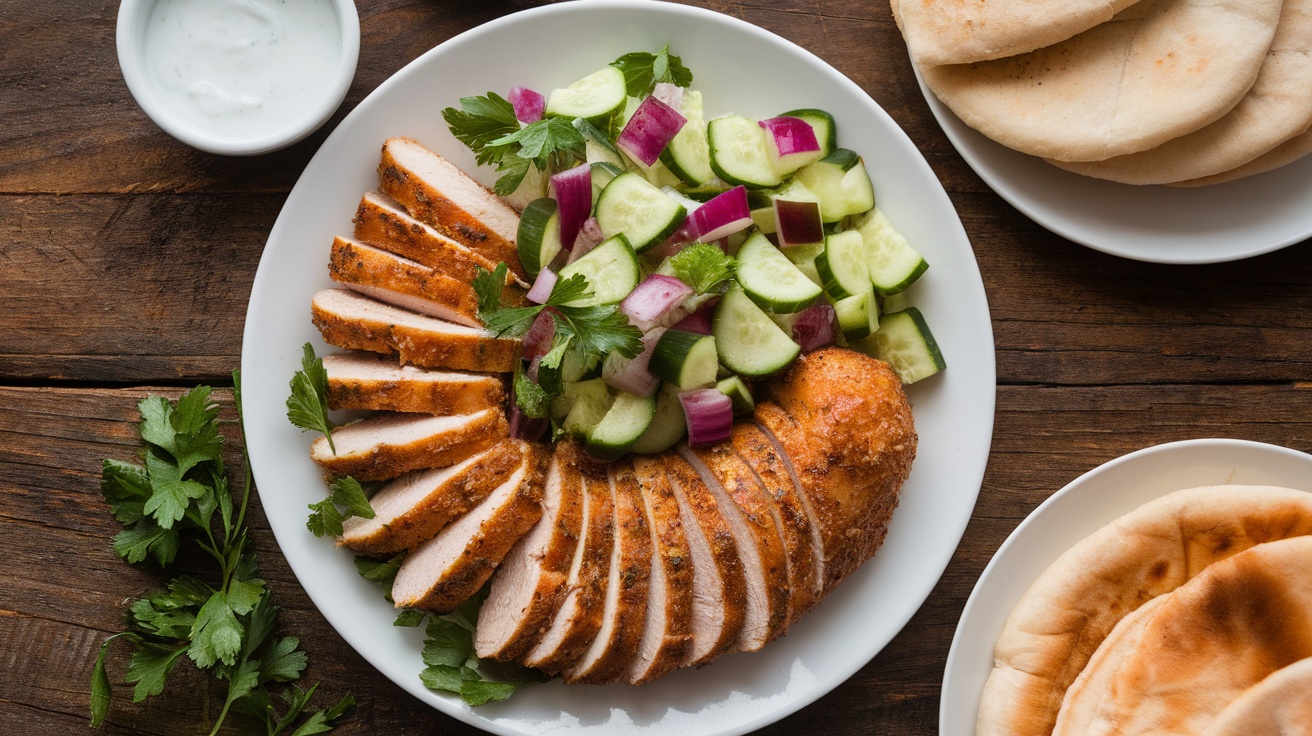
<point>677,259</point>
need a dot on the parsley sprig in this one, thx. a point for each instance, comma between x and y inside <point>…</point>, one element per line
<point>643,70</point>
<point>307,406</point>
<point>224,624</point>
<point>487,125</point>
<point>703,266</point>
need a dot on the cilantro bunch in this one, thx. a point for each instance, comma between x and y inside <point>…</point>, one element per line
<point>224,623</point>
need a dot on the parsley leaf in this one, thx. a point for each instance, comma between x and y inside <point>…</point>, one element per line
<point>307,407</point>
<point>326,518</point>
<point>533,401</point>
<point>703,266</point>
<point>480,121</point>
<point>382,572</point>
<point>643,70</point>
<point>487,125</point>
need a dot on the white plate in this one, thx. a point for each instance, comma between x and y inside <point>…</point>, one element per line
<point>1085,505</point>
<point>739,67</point>
<point>1161,224</point>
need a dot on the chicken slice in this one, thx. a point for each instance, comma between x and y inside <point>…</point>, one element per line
<point>358,380</point>
<point>386,445</point>
<point>402,282</point>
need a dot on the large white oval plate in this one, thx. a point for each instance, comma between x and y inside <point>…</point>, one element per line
<point>1160,224</point>
<point>741,68</point>
<point>1085,505</point>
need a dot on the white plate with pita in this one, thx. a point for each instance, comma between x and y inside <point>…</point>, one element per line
<point>1160,224</point>
<point>1085,505</point>
<point>954,410</point>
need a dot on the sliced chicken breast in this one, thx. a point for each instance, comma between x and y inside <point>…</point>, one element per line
<point>533,579</point>
<point>666,633</point>
<point>437,193</point>
<point>625,609</point>
<point>446,570</point>
<point>413,508</point>
<point>402,282</point>
<point>381,221</point>
<point>350,320</point>
<point>386,445</point>
<point>358,380</point>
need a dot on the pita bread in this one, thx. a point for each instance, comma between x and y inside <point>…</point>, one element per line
<point>1208,642</point>
<point>1277,108</point>
<point>1068,611</point>
<point>941,32</point>
<point>1285,153</point>
<point>1159,70</point>
<point>1280,705</point>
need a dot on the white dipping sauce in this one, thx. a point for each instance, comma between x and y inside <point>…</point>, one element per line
<point>242,69</point>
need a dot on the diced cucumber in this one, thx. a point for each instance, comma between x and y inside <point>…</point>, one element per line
<point>826,131</point>
<point>538,240</point>
<point>803,256</point>
<point>894,264</point>
<point>583,404</point>
<point>595,97</point>
<point>632,206</point>
<point>602,174</point>
<point>772,280</point>
<point>763,219</point>
<point>842,184</point>
<point>625,421</point>
<point>688,155</point>
<point>611,270</point>
<point>894,302</point>
<point>842,265</point>
<point>668,427</point>
<point>597,146</point>
<point>858,316</point>
<point>750,343</point>
<point>736,389</point>
<point>906,344</point>
<point>738,152</point>
<point>686,359</point>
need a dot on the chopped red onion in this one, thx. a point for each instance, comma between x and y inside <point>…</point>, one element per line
<point>791,135</point>
<point>524,428</point>
<point>653,125</point>
<point>709,414</point>
<point>632,374</point>
<point>573,192</point>
<point>814,327</point>
<point>537,340</point>
<point>670,94</point>
<point>798,223</point>
<point>542,286</point>
<point>724,215</point>
<point>532,370</point>
<point>653,299</point>
<point>700,320</point>
<point>529,105</point>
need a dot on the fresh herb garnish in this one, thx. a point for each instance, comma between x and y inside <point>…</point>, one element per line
<point>703,266</point>
<point>307,406</point>
<point>224,625</point>
<point>327,518</point>
<point>487,125</point>
<point>643,70</point>
<point>531,398</point>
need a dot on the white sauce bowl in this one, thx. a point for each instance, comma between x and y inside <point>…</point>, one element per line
<point>238,77</point>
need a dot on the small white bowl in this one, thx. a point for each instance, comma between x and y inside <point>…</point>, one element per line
<point>132,58</point>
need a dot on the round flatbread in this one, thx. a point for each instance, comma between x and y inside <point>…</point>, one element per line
<point>1159,70</point>
<point>1283,154</point>
<point>1069,609</point>
<point>1280,705</point>
<point>1208,642</point>
<point>1277,108</point>
<point>941,32</point>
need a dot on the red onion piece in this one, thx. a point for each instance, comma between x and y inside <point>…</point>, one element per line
<point>542,286</point>
<point>814,327</point>
<point>791,135</point>
<point>709,414</point>
<point>700,320</point>
<point>798,223</point>
<point>529,105</point>
<point>653,299</point>
<point>670,94</point>
<point>631,374</point>
<point>724,215</point>
<point>537,340</point>
<point>653,125</point>
<point>524,428</point>
<point>573,192</point>
<point>589,237</point>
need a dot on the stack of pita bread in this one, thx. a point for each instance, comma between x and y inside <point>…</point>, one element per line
<point>1185,92</point>
<point>1190,615</point>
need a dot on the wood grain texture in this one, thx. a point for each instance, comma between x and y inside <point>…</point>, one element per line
<point>126,261</point>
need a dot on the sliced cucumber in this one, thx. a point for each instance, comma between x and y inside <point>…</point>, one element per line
<point>738,152</point>
<point>538,240</point>
<point>583,404</point>
<point>750,343</point>
<point>595,97</point>
<point>842,265</point>
<point>710,190</point>
<point>803,256</point>
<point>688,155</point>
<point>906,344</point>
<point>632,206</point>
<point>764,220</point>
<point>668,427</point>
<point>894,302</point>
<point>772,280</point>
<point>611,270</point>
<point>625,421</point>
<point>894,264</point>
<point>736,389</point>
<point>826,131</point>
<point>686,359</point>
<point>858,316</point>
<point>842,184</point>
<point>603,173</point>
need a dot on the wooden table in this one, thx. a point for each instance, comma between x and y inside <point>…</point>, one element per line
<point>126,260</point>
